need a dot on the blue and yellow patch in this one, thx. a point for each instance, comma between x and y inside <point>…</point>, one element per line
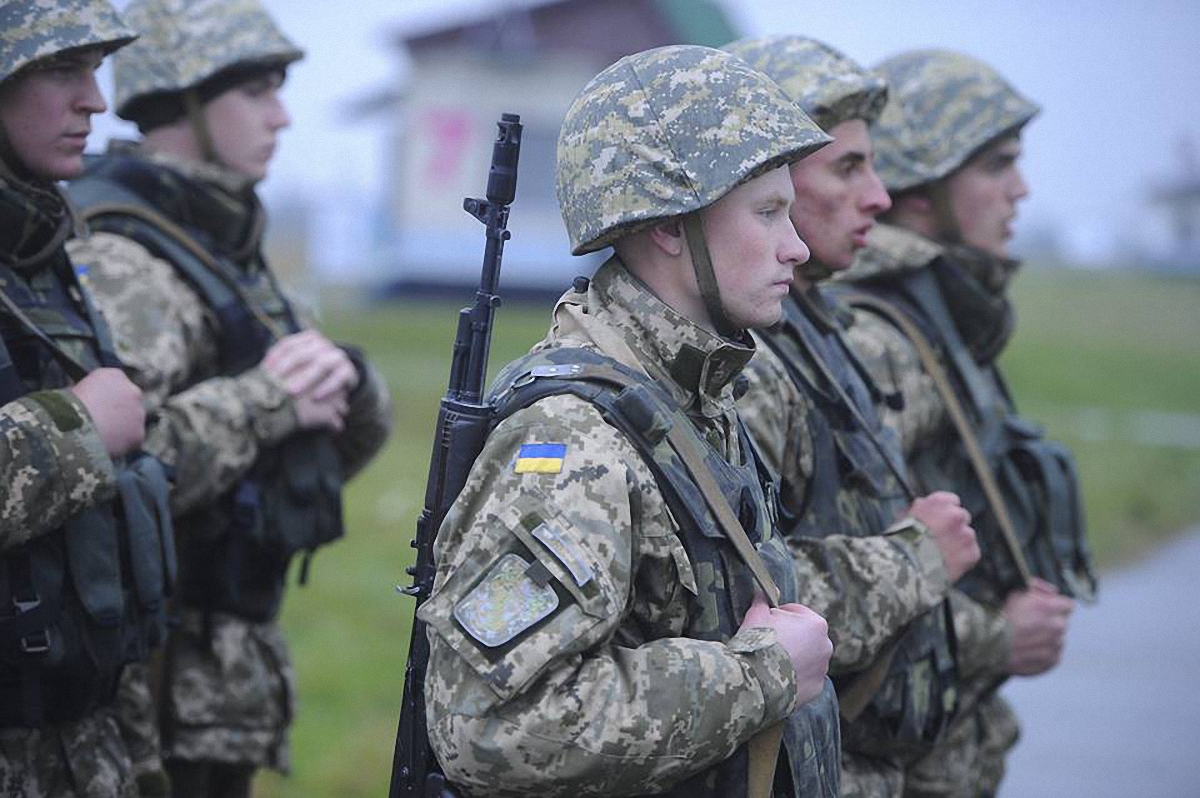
<point>540,458</point>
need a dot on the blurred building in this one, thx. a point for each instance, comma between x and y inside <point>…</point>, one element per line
<point>1178,199</point>
<point>529,58</point>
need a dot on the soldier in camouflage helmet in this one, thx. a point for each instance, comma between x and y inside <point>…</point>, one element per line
<point>880,584</point>
<point>935,274</point>
<point>261,416</point>
<point>593,630</point>
<point>71,423</point>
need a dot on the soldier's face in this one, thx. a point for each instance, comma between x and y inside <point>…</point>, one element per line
<point>838,195</point>
<point>754,247</point>
<point>984,193</point>
<point>46,112</point>
<point>244,123</point>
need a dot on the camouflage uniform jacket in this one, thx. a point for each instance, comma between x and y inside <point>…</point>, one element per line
<point>984,638</point>
<point>232,683</point>
<point>54,466</point>
<point>867,584</point>
<point>922,423</point>
<point>624,704</point>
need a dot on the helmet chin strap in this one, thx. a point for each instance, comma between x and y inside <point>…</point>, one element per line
<point>706,278</point>
<point>195,114</point>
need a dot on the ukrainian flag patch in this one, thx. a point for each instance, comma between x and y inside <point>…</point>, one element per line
<point>540,458</point>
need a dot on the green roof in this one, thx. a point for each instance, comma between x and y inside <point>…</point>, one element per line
<point>697,21</point>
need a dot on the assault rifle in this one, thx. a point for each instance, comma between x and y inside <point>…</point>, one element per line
<point>464,421</point>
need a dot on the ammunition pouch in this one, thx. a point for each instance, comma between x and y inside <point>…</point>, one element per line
<point>79,603</point>
<point>290,504</point>
<point>1040,485</point>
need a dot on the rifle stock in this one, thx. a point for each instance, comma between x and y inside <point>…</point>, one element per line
<point>463,423</point>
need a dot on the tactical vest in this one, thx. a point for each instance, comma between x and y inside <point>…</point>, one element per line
<point>236,554</point>
<point>1037,477</point>
<point>79,602</point>
<point>853,491</point>
<point>644,413</point>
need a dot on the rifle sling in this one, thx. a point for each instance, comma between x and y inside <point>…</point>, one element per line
<point>979,464</point>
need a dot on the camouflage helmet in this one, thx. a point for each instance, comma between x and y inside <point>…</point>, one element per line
<point>829,86</point>
<point>944,106</point>
<point>666,132</point>
<point>185,42</point>
<point>35,29</point>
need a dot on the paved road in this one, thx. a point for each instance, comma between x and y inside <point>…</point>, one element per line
<point>1120,718</point>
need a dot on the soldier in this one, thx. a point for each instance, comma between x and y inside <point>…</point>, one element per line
<point>85,556</point>
<point>933,318</point>
<point>594,627</point>
<point>881,585</point>
<point>262,419</point>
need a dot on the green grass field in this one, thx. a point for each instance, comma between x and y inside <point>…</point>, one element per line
<point>1092,350</point>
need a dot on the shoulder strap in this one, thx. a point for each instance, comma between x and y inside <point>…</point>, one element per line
<point>71,366</point>
<point>684,443</point>
<point>207,281</point>
<point>941,381</point>
<point>845,400</point>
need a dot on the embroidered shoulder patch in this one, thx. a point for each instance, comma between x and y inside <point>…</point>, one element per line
<point>540,458</point>
<point>508,601</point>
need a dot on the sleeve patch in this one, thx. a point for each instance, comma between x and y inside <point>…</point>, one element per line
<point>540,458</point>
<point>553,539</point>
<point>507,602</point>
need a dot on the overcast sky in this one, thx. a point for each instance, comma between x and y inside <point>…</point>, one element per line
<point>1119,82</point>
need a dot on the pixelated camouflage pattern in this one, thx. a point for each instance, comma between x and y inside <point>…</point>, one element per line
<point>51,456</point>
<point>137,717</point>
<point>184,42</point>
<point>601,701</point>
<point>969,759</point>
<point>943,107</point>
<point>34,29</point>
<point>232,698</point>
<point>231,692</point>
<point>211,429</point>
<point>666,132</point>
<point>868,588</point>
<point>81,759</point>
<point>830,87</point>
<point>887,353</point>
<point>52,462</point>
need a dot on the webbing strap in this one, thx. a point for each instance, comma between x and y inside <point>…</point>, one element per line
<point>70,365</point>
<point>706,278</point>
<point>181,237</point>
<point>828,375</point>
<point>983,472</point>
<point>685,445</point>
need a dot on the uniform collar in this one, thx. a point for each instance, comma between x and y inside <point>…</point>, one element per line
<point>200,196</point>
<point>696,365</point>
<point>891,250</point>
<point>34,222</point>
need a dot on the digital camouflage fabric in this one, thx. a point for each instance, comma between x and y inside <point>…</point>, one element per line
<point>185,42</point>
<point>666,132</point>
<point>615,695</point>
<point>36,29</point>
<point>867,585</point>
<point>969,759</point>
<point>52,463</point>
<point>830,87</point>
<point>84,759</point>
<point>943,106</point>
<point>231,687</point>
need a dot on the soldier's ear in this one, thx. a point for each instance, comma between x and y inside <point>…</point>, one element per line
<point>668,236</point>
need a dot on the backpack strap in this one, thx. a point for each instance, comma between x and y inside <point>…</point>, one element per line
<point>983,471</point>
